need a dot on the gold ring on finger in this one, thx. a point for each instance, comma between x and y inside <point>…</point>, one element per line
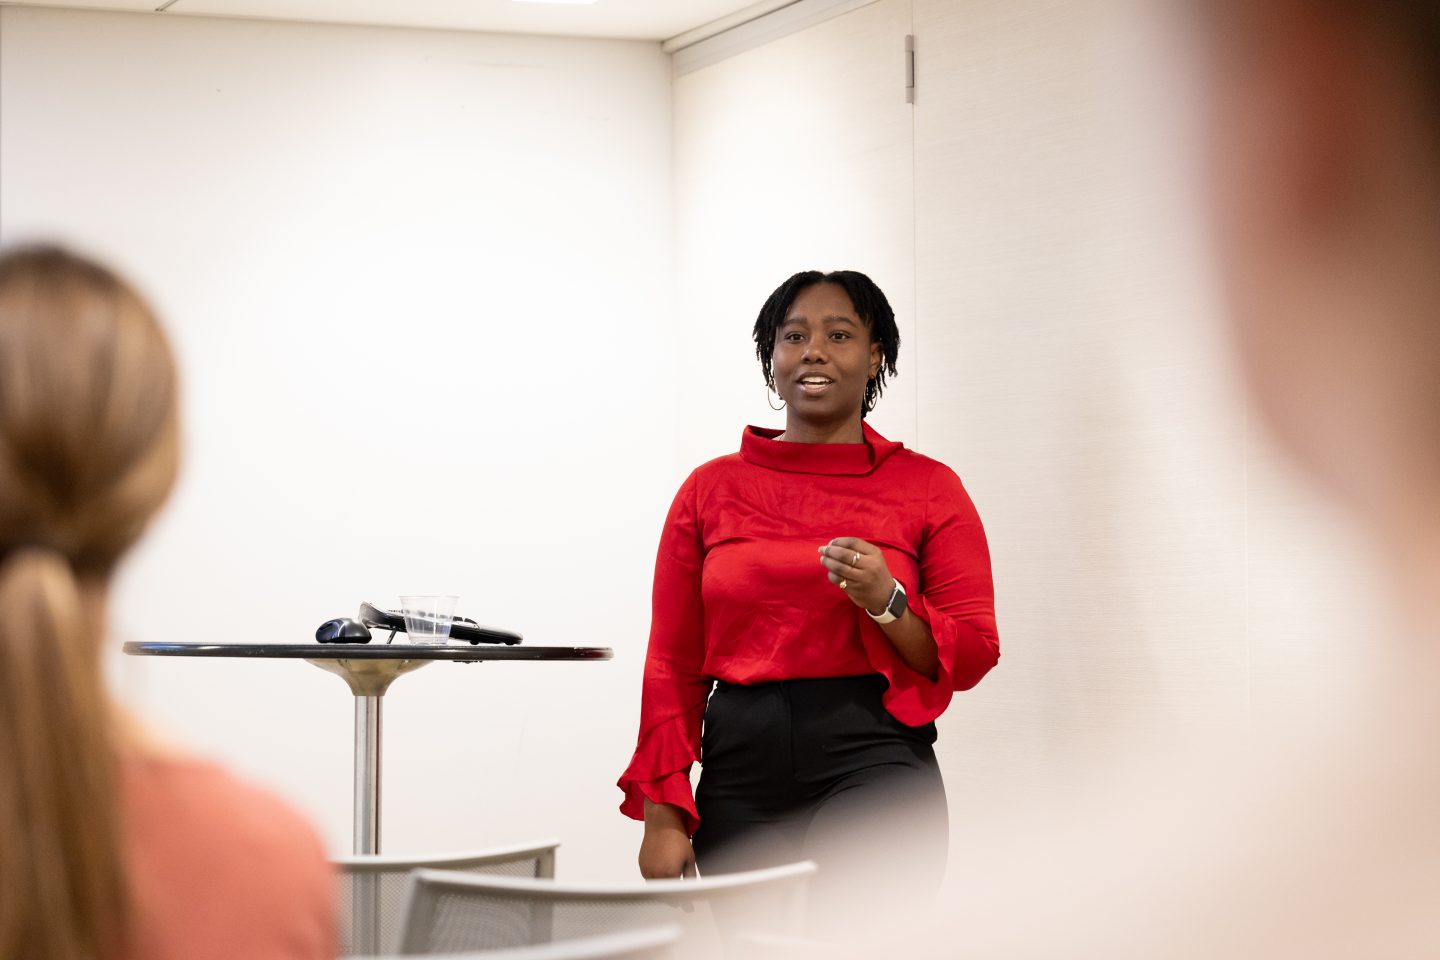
<point>844,584</point>
<point>856,561</point>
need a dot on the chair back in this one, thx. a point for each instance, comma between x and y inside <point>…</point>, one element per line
<point>450,912</point>
<point>651,943</point>
<point>373,888</point>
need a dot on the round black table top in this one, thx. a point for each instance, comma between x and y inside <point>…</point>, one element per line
<point>461,652</point>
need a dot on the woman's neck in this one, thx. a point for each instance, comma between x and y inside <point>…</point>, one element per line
<point>849,432</point>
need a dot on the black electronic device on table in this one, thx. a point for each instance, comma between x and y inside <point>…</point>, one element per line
<point>345,630</point>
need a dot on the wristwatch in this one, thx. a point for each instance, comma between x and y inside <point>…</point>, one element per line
<point>894,608</point>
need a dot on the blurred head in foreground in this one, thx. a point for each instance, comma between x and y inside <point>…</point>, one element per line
<point>1324,133</point>
<point>88,452</point>
<point>1312,834</point>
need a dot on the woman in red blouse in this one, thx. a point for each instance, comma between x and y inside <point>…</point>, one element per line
<point>834,589</point>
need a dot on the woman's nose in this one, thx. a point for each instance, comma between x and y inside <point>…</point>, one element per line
<point>814,352</point>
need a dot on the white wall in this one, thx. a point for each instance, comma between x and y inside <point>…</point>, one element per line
<point>419,283</point>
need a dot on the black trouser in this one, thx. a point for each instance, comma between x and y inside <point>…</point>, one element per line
<point>819,770</point>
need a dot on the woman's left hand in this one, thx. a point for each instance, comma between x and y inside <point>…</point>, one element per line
<point>860,570</point>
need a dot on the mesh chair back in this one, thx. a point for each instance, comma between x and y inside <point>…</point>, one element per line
<point>652,943</point>
<point>373,889</point>
<point>451,912</point>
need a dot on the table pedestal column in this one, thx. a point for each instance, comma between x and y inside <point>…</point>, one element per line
<point>368,680</point>
<point>367,774</point>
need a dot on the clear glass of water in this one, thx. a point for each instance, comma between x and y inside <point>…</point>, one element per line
<point>428,617</point>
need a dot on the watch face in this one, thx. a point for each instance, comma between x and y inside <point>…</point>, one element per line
<point>898,602</point>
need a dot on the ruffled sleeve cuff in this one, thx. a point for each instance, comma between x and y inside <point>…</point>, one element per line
<point>673,789</point>
<point>660,772</point>
<point>965,655</point>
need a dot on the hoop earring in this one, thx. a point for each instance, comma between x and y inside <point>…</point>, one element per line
<point>769,389</point>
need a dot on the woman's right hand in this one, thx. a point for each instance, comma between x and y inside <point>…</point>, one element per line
<point>665,853</point>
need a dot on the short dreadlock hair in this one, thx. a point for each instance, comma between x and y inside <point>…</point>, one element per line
<point>869,302</point>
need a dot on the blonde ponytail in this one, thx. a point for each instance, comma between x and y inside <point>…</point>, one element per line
<point>88,451</point>
<point>61,867</point>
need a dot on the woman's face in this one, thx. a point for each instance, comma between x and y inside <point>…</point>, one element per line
<point>824,356</point>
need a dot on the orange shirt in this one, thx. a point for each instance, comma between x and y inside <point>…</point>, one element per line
<point>220,869</point>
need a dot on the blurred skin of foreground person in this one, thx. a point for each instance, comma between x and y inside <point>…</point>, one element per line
<point>1320,840</point>
<point>111,846</point>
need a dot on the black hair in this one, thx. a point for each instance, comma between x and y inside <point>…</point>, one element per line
<point>869,302</point>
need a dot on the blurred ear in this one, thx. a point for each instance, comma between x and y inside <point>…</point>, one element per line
<point>1327,90</point>
<point>876,358</point>
<point>1324,179</point>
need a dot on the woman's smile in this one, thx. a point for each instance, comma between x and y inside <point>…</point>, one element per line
<point>815,384</point>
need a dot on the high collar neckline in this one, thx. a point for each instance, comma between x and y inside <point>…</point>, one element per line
<point>759,446</point>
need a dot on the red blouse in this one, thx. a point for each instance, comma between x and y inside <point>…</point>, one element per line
<point>740,594</point>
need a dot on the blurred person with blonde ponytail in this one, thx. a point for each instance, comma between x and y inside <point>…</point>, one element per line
<point>111,847</point>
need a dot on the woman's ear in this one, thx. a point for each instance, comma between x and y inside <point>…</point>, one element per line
<point>875,359</point>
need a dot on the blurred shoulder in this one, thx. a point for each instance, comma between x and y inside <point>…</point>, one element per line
<point>193,790</point>
<point>210,852</point>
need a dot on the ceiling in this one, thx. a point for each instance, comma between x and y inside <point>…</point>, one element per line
<point>633,19</point>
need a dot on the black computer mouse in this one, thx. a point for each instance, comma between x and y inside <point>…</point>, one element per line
<point>342,630</point>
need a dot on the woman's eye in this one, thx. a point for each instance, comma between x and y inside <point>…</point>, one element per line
<point>839,335</point>
<point>793,337</point>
